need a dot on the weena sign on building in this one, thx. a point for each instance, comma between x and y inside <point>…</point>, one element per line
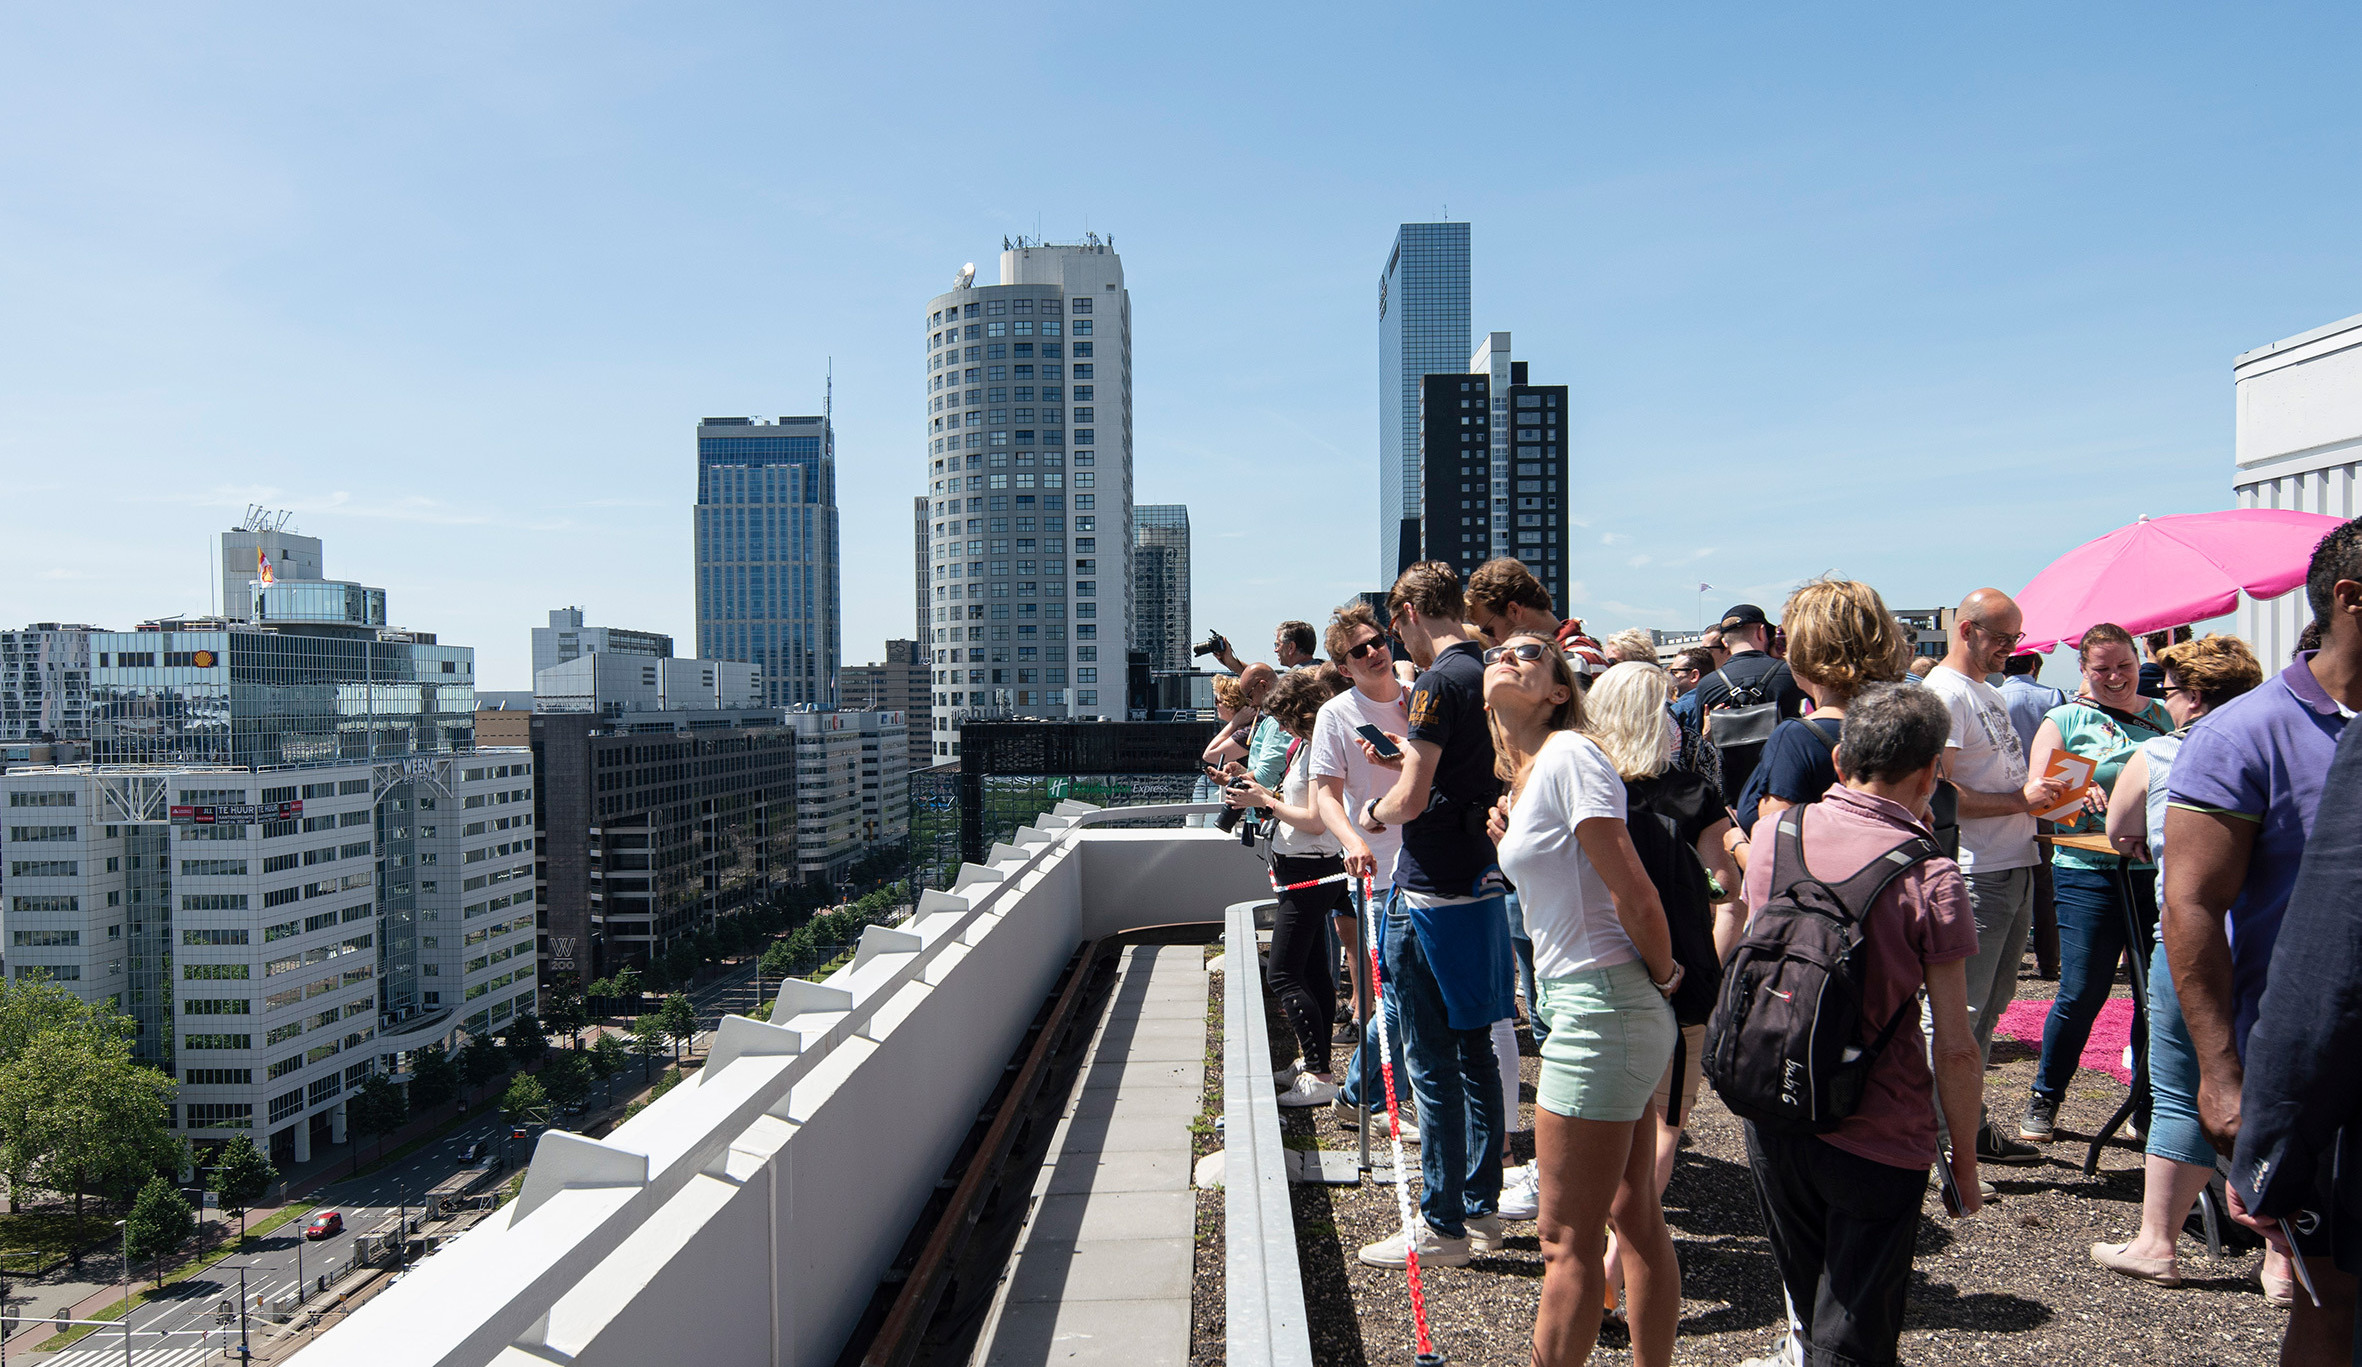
<point>237,814</point>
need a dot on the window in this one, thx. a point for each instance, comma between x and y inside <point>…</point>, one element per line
<point>213,901</point>
<point>217,1077</point>
<point>215,1006</point>
<point>1082,328</point>
<point>213,972</point>
<point>47,797</point>
<point>46,903</point>
<point>45,939</point>
<point>1078,306</point>
<point>1082,372</point>
<point>217,1041</point>
<point>32,833</point>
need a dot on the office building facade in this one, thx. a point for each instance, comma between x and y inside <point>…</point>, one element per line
<point>1160,584</point>
<point>768,590</point>
<point>1029,480</point>
<point>290,865</point>
<point>45,682</point>
<point>898,685</point>
<point>1423,329</point>
<point>566,638</point>
<point>1493,468</point>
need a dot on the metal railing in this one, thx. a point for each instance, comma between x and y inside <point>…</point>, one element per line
<point>1264,1322</point>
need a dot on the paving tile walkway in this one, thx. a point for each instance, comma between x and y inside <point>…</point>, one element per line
<point>1102,1269</point>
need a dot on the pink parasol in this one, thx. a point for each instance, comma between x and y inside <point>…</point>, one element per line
<point>2170,571</point>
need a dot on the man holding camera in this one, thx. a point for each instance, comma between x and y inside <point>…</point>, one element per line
<point>1292,644</point>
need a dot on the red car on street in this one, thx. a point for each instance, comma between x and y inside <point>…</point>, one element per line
<point>325,1225</point>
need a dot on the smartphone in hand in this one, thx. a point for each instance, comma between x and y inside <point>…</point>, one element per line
<point>1386,749</point>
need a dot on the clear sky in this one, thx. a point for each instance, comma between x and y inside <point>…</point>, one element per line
<point>1923,297</point>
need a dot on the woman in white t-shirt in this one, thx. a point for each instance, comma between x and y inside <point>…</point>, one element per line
<point>1308,864</point>
<point>1604,958</point>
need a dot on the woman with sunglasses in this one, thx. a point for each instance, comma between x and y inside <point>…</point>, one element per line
<point>1605,960</point>
<point>2105,723</point>
<point>2200,676</point>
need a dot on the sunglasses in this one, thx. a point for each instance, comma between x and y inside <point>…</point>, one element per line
<point>1374,644</point>
<point>1528,651</point>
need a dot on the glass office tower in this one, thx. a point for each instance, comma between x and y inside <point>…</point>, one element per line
<point>1160,583</point>
<point>767,568</point>
<point>1423,329</point>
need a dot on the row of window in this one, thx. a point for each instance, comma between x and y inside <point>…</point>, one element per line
<point>953,377</point>
<point>996,308</point>
<point>1004,351</point>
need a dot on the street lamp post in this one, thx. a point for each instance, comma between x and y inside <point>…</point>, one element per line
<point>125,1226</point>
<point>245,1353</point>
<point>302,1289</point>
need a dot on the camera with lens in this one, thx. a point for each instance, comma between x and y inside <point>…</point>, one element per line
<point>1214,644</point>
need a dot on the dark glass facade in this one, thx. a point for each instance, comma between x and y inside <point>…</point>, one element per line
<point>258,698</point>
<point>1013,771</point>
<point>767,564</point>
<point>1423,329</point>
<point>1459,414</point>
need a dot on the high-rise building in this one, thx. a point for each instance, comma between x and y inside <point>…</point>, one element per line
<point>291,865</point>
<point>1028,575</point>
<point>898,685</point>
<point>566,638</point>
<point>263,535</point>
<point>45,682</point>
<point>767,560</point>
<point>1423,322</point>
<point>1160,584</point>
<point>1494,468</point>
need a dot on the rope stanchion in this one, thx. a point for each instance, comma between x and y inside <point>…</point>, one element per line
<point>1278,886</point>
<point>1427,1356</point>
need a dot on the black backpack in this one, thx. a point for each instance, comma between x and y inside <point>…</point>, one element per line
<point>1680,880</point>
<point>1738,727</point>
<point>1784,1046</point>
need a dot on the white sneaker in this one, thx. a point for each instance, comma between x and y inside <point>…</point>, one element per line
<point>1485,1234</point>
<point>1521,1192</point>
<point>1434,1250</point>
<point>1286,1077</point>
<point>1308,1090</point>
<point>1785,1353</point>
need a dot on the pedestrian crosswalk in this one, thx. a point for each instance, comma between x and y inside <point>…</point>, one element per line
<point>187,1353</point>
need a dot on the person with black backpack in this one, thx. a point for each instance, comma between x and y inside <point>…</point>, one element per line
<point>1746,698</point>
<point>1815,1038</point>
<point>1604,957</point>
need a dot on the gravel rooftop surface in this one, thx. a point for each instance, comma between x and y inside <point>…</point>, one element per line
<point>2014,1284</point>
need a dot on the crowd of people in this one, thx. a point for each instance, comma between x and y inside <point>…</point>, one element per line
<point>1801,836</point>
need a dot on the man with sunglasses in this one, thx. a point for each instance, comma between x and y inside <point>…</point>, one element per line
<point>1446,937</point>
<point>1986,762</point>
<point>1345,777</point>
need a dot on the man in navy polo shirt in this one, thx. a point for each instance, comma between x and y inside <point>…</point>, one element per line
<point>2241,801</point>
<point>1446,938</point>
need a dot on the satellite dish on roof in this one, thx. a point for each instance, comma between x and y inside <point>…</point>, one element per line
<point>965,278</point>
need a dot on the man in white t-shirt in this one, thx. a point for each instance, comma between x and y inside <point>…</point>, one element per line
<point>1986,763</point>
<point>1345,778</point>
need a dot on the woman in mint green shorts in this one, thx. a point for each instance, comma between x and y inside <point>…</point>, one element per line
<point>1604,960</point>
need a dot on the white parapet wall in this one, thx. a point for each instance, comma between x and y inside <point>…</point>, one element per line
<point>747,1216</point>
<point>2299,446</point>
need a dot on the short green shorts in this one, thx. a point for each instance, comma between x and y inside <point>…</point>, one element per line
<point>1611,1038</point>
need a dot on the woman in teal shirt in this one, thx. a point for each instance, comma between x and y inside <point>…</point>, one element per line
<point>2105,723</point>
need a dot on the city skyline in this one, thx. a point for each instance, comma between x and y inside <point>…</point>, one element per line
<point>1762,255</point>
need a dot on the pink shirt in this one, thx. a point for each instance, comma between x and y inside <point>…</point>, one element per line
<point>1922,918</point>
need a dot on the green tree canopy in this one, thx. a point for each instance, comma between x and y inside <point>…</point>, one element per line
<point>482,1060</point>
<point>648,1041</point>
<point>78,1114</point>
<point>567,1078</point>
<point>563,1012</point>
<point>434,1080</point>
<point>626,983</point>
<point>376,1109</point>
<point>527,1041</point>
<point>607,1058</point>
<point>242,1175</point>
<point>678,1020</point>
<point>526,1102</point>
<point>160,1222</point>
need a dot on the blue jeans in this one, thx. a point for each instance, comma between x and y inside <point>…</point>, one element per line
<point>1523,946</point>
<point>1457,1080</point>
<point>2173,1130</point>
<point>2092,938</point>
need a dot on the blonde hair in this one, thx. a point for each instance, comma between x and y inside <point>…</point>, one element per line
<point>1632,644</point>
<point>2218,668</point>
<point>1626,716</point>
<point>1228,693</point>
<point>1842,638</point>
<point>1509,762</point>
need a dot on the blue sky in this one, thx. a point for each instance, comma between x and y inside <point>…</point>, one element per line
<point>1922,298</point>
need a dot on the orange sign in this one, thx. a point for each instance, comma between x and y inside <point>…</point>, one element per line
<point>2074,772</point>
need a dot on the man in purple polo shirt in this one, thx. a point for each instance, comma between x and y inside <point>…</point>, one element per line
<point>2241,799</point>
